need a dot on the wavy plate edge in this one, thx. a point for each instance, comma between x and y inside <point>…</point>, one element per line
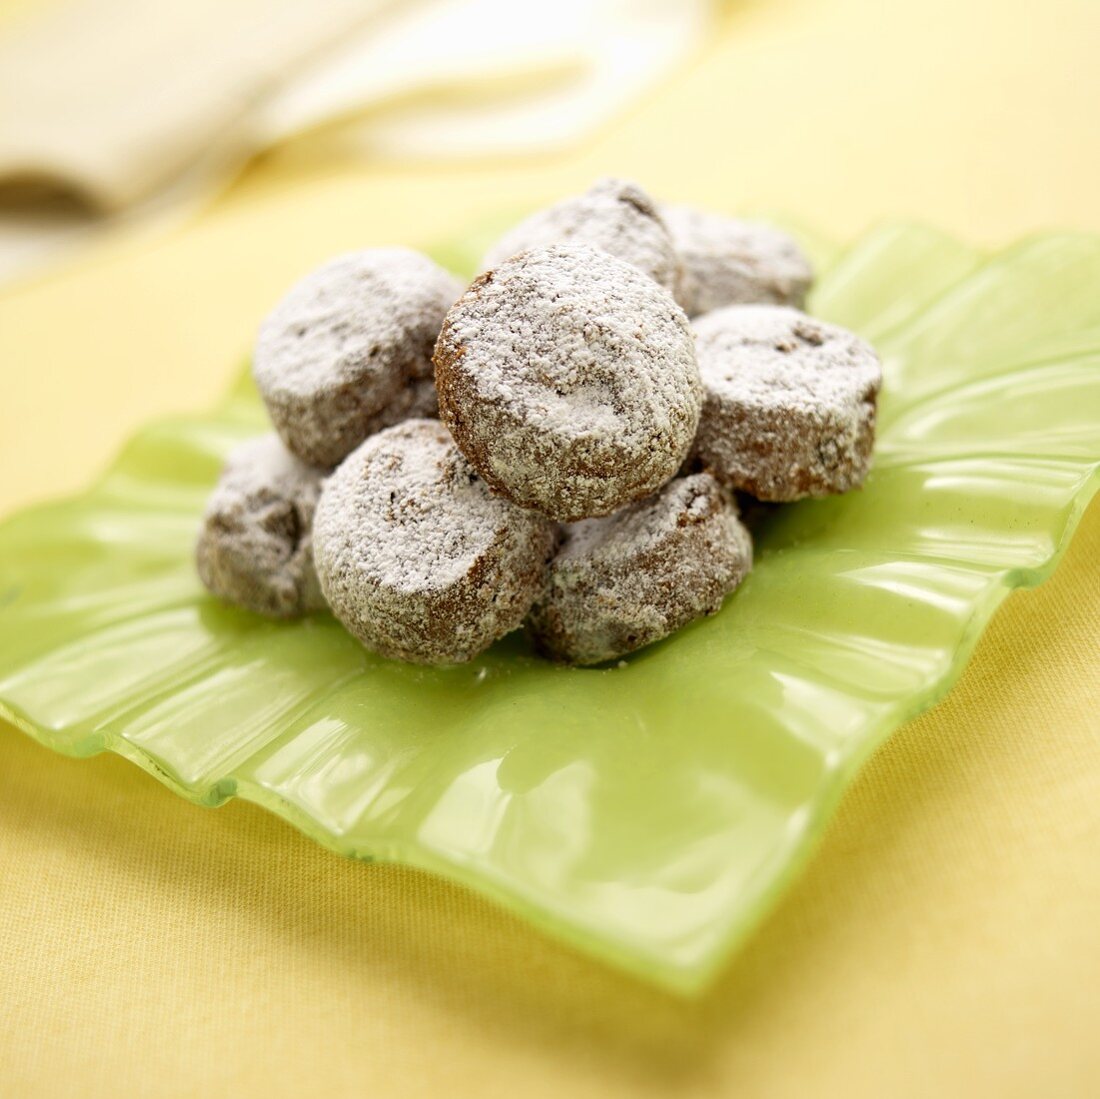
<point>788,861</point>
<point>792,859</point>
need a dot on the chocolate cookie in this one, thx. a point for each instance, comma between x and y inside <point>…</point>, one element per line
<point>614,216</point>
<point>255,545</point>
<point>790,402</point>
<point>727,261</point>
<point>335,360</point>
<point>416,557</point>
<point>568,379</point>
<point>634,577</point>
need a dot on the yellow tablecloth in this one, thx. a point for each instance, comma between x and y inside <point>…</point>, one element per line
<point>946,939</point>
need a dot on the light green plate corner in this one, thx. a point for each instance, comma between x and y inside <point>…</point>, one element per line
<point>649,813</point>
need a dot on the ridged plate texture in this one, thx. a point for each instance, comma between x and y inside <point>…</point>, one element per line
<point>648,813</point>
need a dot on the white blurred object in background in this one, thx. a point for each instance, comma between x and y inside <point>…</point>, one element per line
<point>127,111</point>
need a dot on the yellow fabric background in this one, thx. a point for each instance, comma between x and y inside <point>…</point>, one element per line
<point>946,939</point>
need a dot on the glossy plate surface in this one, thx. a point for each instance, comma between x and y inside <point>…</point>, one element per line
<point>649,813</point>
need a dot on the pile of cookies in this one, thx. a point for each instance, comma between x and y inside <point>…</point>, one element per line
<point>557,445</point>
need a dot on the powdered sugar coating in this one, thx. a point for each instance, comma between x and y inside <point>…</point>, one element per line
<point>335,358</point>
<point>255,545</point>
<point>624,581</point>
<point>568,379</point>
<point>614,215</point>
<point>790,404</point>
<point>416,557</point>
<point>727,261</point>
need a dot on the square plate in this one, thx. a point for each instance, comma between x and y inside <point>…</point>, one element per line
<point>649,813</point>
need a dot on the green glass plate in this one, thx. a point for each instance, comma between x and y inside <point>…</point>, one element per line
<point>649,813</point>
